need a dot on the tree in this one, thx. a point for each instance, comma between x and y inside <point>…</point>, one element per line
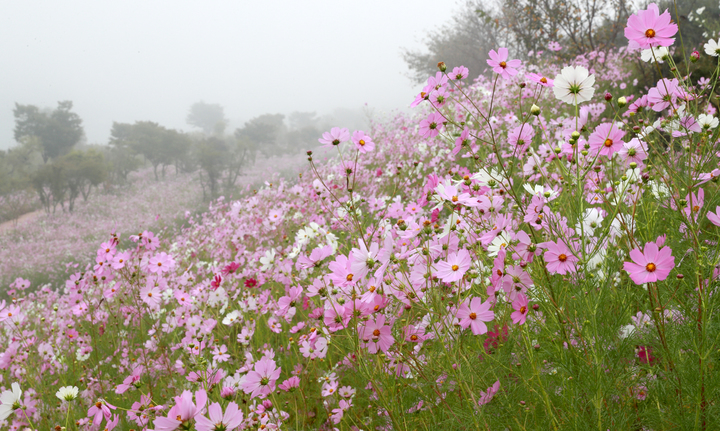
<point>160,146</point>
<point>212,154</point>
<point>264,132</point>
<point>57,131</point>
<point>206,116</point>
<point>579,26</point>
<point>466,40</point>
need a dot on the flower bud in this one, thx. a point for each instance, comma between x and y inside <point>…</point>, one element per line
<point>558,150</point>
<point>633,165</point>
<point>575,135</point>
<point>694,56</point>
<point>442,66</point>
<point>622,101</point>
<point>535,110</point>
<point>522,85</point>
<point>608,97</point>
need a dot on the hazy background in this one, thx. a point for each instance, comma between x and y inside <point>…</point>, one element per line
<point>150,60</point>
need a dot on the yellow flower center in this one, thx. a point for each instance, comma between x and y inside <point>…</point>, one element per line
<point>455,267</point>
<point>650,267</point>
<point>649,33</point>
<point>562,258</point>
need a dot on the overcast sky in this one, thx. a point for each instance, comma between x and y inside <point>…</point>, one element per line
<point>134,60</point>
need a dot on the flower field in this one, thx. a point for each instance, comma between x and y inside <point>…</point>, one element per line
<point>535,250</point>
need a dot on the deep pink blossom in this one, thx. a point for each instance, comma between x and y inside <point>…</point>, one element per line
<point>650,265</point>
<point>606,140</point>
<point>376,335</point>
<point>559,258</point>
<point>475,315</point>
<point>520,305</point>
<point>649,28</point>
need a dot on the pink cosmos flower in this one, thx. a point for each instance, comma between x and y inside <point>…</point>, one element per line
<point>486,397</point>
<point>362,141</point>
<point>648,28</point>
<point>454,268</point>
<point>130,380</point>
<point>460,72</point>
<point>475,315</point>
<point>290,384</point>
<point>554,46</point>
<point>606,139</point>
<point>120,259</point>
<point>161,263</point>
<point>664,94</point>
<point>101,409</point>
<point>335,136</point>
<point>520,138</point>
<point>232,418</point>
<point>431,126</point>
<point>559,258</point>
<point>539,79</point>
<point>520,305</point>
<point>633,151</point>
<point>260,382</point>
<point>695,202</point>
<point>151,295</point>
<point>500,64</point>
<point>651,264</point>
<point>376,335</point>
<point>714,217</point>
<point>183,411</point>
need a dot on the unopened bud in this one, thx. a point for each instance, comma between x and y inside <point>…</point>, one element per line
<point>442,66</point>
<point>535,110</point>
<point>633,165</point>
<point>557,150</point>
<point>694,56</point>
<point>608,97</point>
<point>522,85</point>
<point>622,101</point>
<point>575,134</point>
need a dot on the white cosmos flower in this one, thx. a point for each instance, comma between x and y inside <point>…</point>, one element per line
<point>267,260</point>
<point>10,401</point>
<point>592,220</point>
<point>660,52</point>
<point>708,121</point>
<point>67,393</point>
<point>712,48</point>
<point>574,85</point>
<point>500,242</point>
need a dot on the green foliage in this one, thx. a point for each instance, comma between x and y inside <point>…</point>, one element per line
<point>208,117</point>
<point>57,131</point>
<point>265,132</point>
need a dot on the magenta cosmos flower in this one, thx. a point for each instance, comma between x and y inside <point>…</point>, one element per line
<point>520,305</point>
<point>559,258</point>
<point>232,418</point>
<point>455,267</point>
<point>648,28</point>
<point>501,65</point>
<point>652,264</point>
<point>606,139</point>
<point>431,126</point>
<point>376,335</point>
<point>475,315</point>
<point>261,381</point>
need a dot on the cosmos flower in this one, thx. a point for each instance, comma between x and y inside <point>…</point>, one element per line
<point>650,265</point>
<point>574,85</point>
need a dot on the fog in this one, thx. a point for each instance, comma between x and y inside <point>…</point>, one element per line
<point>151,60</point>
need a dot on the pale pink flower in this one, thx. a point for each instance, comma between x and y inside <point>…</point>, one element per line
<point>501,65</point>
<point>475,315</point>
<point>260,382</point>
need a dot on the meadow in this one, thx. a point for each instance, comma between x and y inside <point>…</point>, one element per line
<point>536,249</point>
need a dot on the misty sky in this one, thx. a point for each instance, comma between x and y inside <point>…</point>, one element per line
<point>150,60</point>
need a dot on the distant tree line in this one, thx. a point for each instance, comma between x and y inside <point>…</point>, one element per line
<point>579,26</point>
<point>53,161</point>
